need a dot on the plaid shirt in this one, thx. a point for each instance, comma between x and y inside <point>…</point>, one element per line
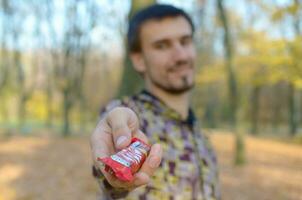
<point>188,169</point>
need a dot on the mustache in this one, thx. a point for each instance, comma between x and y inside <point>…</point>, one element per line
<point>180,64</point>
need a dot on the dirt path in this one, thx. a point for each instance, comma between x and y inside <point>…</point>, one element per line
<point>273,171</point>
<point>55,168</point>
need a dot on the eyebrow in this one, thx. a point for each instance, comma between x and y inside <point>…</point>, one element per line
<point>163,40</point>
<point>160,41</point>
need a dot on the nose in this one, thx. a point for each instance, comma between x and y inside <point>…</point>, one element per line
<point>179,52</point>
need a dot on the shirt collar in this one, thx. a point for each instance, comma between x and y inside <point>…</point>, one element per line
<point>160,107</point>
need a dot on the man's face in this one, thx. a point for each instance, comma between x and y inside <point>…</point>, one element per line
<point>168,54</point>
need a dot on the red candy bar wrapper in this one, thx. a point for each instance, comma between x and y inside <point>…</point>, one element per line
<point>126,162</point>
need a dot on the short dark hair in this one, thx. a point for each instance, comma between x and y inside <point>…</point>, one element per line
<point>153,12</point>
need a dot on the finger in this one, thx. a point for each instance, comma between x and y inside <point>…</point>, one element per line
<point>101,143</point>
<point>139,180</point>
<point>153,160</point>
<point>140,135</point>
<point>114,182</point>
<point>123,122</point>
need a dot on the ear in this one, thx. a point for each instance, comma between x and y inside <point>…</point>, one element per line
<point>138,62</point>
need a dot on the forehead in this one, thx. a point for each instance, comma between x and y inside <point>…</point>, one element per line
<point>166,28</point>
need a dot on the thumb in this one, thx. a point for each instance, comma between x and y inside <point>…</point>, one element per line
<point>123,123</point>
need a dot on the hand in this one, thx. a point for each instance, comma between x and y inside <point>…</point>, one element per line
<point>113,133</point>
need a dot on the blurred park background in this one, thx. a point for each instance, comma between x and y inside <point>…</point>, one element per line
<point>62,60</point>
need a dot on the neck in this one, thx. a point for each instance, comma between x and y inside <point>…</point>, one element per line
<point>179,102</point>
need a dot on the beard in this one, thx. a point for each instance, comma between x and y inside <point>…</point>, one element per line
<point>185,86</point>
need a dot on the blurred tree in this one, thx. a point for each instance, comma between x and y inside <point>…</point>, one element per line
<point>292,12</point>
<point>294,94</point>
<point>4,54</point>
<point>25,82</point>
<point>232,82</point>
<point>208,107</point>
<point>49,69</point>
<point>69,53</point>
<point>52,37</point>
<point>131,81</point>
<point>42,15</point>
<point>76,44</point>
<point>6,9</point>
<point>254,70</point>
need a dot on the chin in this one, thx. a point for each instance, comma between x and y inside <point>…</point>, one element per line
<point>180,90</point>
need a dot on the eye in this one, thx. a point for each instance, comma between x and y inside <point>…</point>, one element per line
<point>186,41</point>
<point>161,45</point>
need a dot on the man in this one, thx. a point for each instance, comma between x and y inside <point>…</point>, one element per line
<point>181,163</point>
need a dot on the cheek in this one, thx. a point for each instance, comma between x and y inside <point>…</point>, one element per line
<point>157,63</point>
<point>192,53</point>
<point>158,58</point>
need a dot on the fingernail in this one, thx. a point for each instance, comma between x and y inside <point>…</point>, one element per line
<point>121,140</point>
<point>153,161</point>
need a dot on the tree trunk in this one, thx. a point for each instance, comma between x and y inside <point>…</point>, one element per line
<point>211,107</point>
<point>21,89</point>
<point>49,96</point>
<point>276,108</point>
<point>255,109</point>
<point>24,93</point>
<point>292,110</point>
<point>22,111</point>
<point>66,113</point>
<point>131,81</point>
<point>293,93</point>
<point>232,82</point>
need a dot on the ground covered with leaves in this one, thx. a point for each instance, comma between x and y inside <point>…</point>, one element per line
<point>59,168</point>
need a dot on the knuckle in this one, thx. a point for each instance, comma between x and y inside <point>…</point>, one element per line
<point>119,110</point>
<point>125,111</point>
<point>116,113</point>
